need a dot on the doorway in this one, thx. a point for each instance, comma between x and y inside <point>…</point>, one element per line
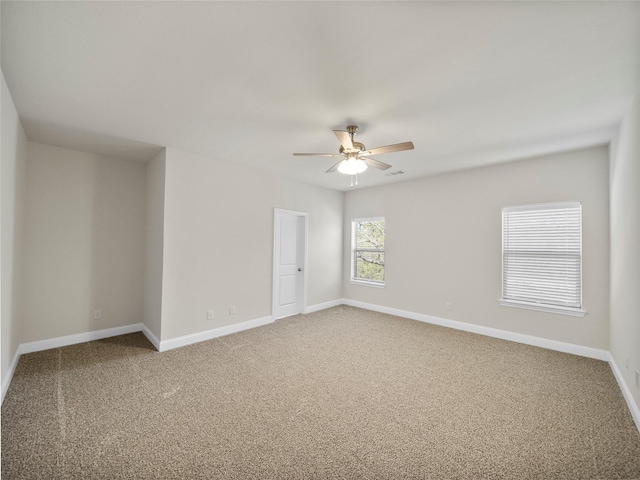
<point>289,263</point>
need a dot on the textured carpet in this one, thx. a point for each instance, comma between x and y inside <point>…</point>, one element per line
<point>342,393</point>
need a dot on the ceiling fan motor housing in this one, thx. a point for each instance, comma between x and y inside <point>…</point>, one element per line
<point>357,147</point>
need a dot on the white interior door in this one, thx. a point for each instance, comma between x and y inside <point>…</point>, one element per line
<point>289,263</point>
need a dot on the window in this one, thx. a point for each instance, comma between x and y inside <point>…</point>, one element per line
<point>367,243</point>
<point>542,257</point>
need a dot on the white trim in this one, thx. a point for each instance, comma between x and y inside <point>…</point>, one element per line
<point>12,368</point>
<point>540,307</point>
<point>574,349</point>
<point>366,283</point>
<point>305,267</point>
<point>352,275</point>
<point>78,338</point>
<point>626,392</point>
<point>323,306</point>
<point>543,307</point>
<point>190,339</point>
<point>238,327</point>
<point>290,212</point>
<point>67,340</point>
<point>161,346</point>
<point>150,336</point>
<point>542,206</point>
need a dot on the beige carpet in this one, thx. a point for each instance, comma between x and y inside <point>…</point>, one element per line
<point>342,393</point>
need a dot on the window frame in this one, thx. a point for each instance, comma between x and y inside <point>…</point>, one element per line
<point>540,305</point>
<point>363,281</point>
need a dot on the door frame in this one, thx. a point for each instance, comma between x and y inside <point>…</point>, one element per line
<point>301,299</point>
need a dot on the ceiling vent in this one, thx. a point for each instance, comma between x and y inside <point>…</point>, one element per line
<point>393,174</point>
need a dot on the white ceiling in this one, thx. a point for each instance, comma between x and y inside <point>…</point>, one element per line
<point>470,83</point>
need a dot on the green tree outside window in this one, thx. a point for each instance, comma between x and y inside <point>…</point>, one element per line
<point>368,250</point>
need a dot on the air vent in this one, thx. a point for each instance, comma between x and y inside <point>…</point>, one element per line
<point>393,174</point>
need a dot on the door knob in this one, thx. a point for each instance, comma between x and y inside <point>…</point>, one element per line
<point>299,269</point>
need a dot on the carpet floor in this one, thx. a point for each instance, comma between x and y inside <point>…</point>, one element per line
<point>341,393</point>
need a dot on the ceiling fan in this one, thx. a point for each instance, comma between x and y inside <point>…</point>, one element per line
<point>355,158</point>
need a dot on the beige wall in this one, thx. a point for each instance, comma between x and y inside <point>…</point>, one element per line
<point>13,184</point>
<point>219,240</point>
<point>443,243</point>
<point>84,242</point>
<point>625,246</point>
<point>154,243</point>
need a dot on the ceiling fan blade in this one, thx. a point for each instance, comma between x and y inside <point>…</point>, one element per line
<point>372,162</point>
<point>318,154</point>
<point>335,167</point>
<point>397,147</point>
<point>344,138</point>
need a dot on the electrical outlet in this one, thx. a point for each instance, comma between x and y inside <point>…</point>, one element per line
<point>447,306</point>
<point>209,314</point>
<point>97,315</point>
<point>232,310</point>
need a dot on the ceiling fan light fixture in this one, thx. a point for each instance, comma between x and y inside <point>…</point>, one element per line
<point>352,166</point>
<point>351,163</point>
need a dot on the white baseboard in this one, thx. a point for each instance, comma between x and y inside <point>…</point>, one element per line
<point>161,346</point>
<point>579,350</point>
<point>78,338</point>
<point>488,331</point>
<point>213,333</point>
<point>150,336</point>
<point>626,392</point>
<point>66,340</point>
<point>324,306</point>
<point>185,340</point>
<point>12,368</point>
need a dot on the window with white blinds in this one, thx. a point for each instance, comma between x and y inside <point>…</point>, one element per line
<point>542,257</point>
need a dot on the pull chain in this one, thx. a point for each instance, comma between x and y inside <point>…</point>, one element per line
<point>356,182</point>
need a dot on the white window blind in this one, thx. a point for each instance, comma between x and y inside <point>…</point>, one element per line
<point>542,257</point>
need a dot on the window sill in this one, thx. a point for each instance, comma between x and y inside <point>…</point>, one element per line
<point>367,284</point>
<point>574,312</point>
